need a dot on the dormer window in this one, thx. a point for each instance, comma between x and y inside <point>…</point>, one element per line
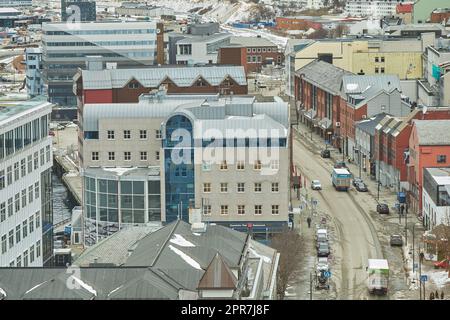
<point>201,83</point>
<point>133,85</point>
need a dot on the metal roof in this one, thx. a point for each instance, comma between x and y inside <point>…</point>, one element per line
<point>252,42</point>
<point>369,125</point>
<point>152,77</point>
<point>21,107</point>
<point>365,84</point>
<point>433,132</point>
<point>323,75</point>
<point>206,39</point>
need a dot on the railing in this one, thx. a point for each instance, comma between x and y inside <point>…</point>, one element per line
<point>63,222</point>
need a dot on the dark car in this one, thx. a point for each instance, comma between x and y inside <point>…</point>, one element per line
<point>383,208</point>
<point>356,181</point>
<point>325,153</point>
<point>323,250</point>
<point>361,187</point>
<point>396,240</point>
<point>340,164</point>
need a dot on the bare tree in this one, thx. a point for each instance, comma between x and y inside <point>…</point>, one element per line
<point>319,34</point>
<point>442,233</point>
<point>340,30</point>
<point>288,244</point>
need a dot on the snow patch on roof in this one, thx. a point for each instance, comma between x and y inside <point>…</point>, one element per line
<point>2,294</point>
<point>182,242</point>
<point>119,171</point>
<point>36,286</point>
<point>352,86</point>
<point>186,258</point>
<point>256,254</point>
<point>85,286</point>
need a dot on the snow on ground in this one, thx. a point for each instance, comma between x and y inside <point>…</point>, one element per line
<point>182,242</point>
<point>186,258</point>
<point>439,277</point>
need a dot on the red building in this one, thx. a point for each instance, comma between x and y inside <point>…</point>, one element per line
<point>250,52</point>
<point>429,146</point>
<point>440,15</point>
<point>317,96</point>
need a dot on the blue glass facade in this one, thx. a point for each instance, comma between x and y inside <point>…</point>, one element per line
<point>179,168</point>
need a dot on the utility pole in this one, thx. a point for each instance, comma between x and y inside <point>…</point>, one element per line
<point>310,285</point>
<point>406,229</point>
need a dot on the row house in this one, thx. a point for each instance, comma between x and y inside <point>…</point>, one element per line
<point>429,146</point>
<point>318,98</point>
<point>366,96</point>
<point>391,148</point>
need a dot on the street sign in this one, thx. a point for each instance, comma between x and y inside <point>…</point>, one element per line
<point>423,278</point>
<point>327,274</point>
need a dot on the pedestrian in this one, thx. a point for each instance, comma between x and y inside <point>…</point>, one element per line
<point>402,208</point>
<point>436,294</point>
<point>432,296</point>
<point>308,220</point>
<point>442,295</point>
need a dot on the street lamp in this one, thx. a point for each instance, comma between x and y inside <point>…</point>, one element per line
<point>329,133</point>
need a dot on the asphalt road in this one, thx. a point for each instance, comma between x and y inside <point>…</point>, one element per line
<point>356,239</point>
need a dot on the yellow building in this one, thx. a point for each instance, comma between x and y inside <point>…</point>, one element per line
<point>401,57</point>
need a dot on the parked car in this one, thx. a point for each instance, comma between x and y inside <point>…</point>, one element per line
<point>339,165</point>
<point>383,208</point>
<point>323,250</point>
<point>356,181</point>
<point>316,185</point>
<point>325,153</point>
<point>361,187</point>
<point>321,239</point>
<point>442,264</point>
<point>51,133</point>
<point>396,240</point>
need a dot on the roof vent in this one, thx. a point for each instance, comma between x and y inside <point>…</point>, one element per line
<point>198,227</point>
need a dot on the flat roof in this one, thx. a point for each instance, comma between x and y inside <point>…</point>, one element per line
<point>10,109</point>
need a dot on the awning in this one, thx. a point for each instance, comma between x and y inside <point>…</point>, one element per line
<point>325,123</point>
<point>310,114</point>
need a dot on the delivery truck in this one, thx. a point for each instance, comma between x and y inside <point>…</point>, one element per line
<point>378,276</point>
<point>341,179</point>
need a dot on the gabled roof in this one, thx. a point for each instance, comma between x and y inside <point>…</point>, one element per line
<point>323,75</point>
<point>369,125</point>
<point>218,275</point>
<point>404,8</point>
<point>360,84</point>
<point>153,77</point>
<point>433,132</point>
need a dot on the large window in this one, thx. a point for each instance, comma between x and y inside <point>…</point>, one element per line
<point>132,201</point>
<point>35,130</point>
<point>18,138</point>
<point>9,142</point>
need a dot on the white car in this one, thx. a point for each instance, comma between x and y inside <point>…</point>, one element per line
<point>316,185</point>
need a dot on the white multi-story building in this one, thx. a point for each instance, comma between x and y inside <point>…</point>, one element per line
<point>34,81</point>
<point>26,217</point>
<point>436,197</point>
<point>16,3</point>
<point>133,173</point>
<point>200,49</point>
<point>66,46</point>
<point>315,4</point>
<point>372,8</point>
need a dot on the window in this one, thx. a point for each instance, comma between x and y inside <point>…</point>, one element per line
<point>275,209</point>
<point>10,207</point>
<point>4,244</point>
<point>2,179</point>
<point>206,165</point>
<point>223,187</point>
<point>259,50</point>
<point>37,219</point>
<point>2,211</point>
<point>18,234</point>
<point>127,156</point>
<point>36,190</point>
<point>30,163</point>
<point>207,209</point>
<point>31,224</point>
<point>441,158</point>
<point>17,202</point>
<point>207,187</point>
<point>133,85</point>
<point>263,49</point>
<point>30,194</point>
<point>240,165</point>
<point>382,70</point>
<point>9,175</point>
<point>257,165</point>
<point>25,258</point>
<point>274,164</point>
<point>38,249</point>
<point>111,155</point>
<point>143,155</point>
<point>25,229</point>
<point>142,134</point>
<point>253,50</point>
<point>377,70</point>
<point>23,168</point>
<point>24,197</point>
<point>382,59</point>
<point>47,153</point>
<point>223,210</point>
<point>241,209</point>
<point>32,254</point>
<point>11,238</point>
<point>241,187</point>
<point>16,171</point>
<point>269,49</point>
<point>127,134</point>
<point>258,187</point>
<point>94,155</point>
<point>224,165</point>
<point>158,134</point>
<point>19,261</point>
<point>42,156</point>
<point>249,50</point>
<point>110,134</point>
<point>376,59</point>
<point>36,160</point>
<point>157,155</point>
<point>275,187</point>
<point>258,209</point>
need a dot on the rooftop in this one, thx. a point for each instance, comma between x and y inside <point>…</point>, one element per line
<point>251,42</point>
<point>11,109</point>
<point>369,125</point>
<point>189,38</point>
<point>433,132</point>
